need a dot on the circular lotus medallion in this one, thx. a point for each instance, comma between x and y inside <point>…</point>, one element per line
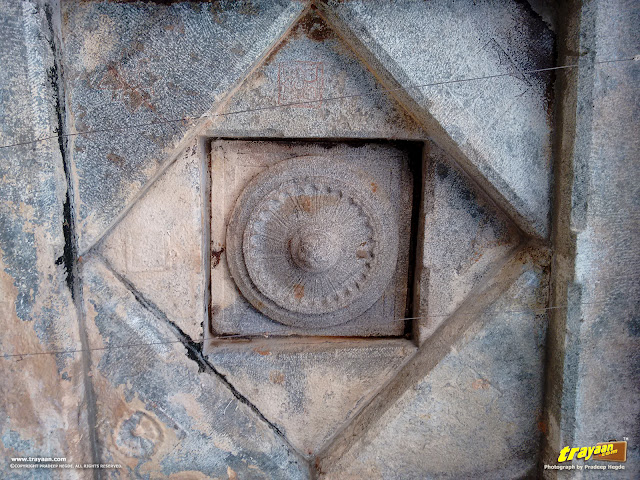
<point>309,243</point>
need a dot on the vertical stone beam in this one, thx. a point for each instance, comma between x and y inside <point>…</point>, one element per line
<point>43,405</point>
<point>592,377</point>
<point>559,396</point>
<point>71,257</point>
<point>607,264</point>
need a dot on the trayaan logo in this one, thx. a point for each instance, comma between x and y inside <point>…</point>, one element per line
<point>608,451</point>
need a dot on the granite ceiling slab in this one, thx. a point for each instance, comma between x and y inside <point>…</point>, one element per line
<point>465,237</point>
<point>310,388</point>
<point>140,63</point>
<point>486,392</point>
<point>314,85</point>
<point>158,247</point>
<point>161,410</point>
<point>501,124</point>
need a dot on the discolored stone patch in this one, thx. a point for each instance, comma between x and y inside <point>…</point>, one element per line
<point>161,410</point>
<point>44,406</point>
<point>158,246</point>
<point>486,391</point>
<point>465,236</point>
<point>308,388</point>
<point>501,126</point>
<point>314,86</point>
<point>161,65</point>
<point>308,280</point>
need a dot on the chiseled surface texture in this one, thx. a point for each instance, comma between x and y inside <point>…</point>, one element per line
<point>165,409</point>
<point>159,415</point>
<point>608,258</point>
<point>235,162</point>
<point>313,241</point>
<point>42,410</point>
<point>465,236</point>
<point>475,415</point>
<point>129,63</point>
<point>343,99</point>
<point>309,390</point>
<point>158,245</point>
<point>501,124</point>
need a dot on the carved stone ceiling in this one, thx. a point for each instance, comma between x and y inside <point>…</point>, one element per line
<point>228,221</point>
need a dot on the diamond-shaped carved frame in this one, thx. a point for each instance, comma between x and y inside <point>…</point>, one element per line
<point>432,348</point>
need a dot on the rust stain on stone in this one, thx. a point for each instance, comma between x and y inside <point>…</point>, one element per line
<point>298,291</point>
<point>315,28</point>
<point>134,95</point>
<point>262,352</point>
<point>115,158</point>
<point>374,187</point>
<point>306,204</point>
<point>276,376</point>
<point>276,49</point>
<point>215,257</point>
<point>542,427</point>
<point>480,384</point>
<point>178,27</point>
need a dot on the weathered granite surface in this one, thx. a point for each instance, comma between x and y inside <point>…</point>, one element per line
<point>339,96</point>
<point>235,162</point>
<point>162,411</point>
<point>131,63</point>
<point>310,388</point>
<point>158,246</point>
<point>607,268</point>
<point>465,235</point>
<point>475,415</point>
<point>500,124</point>
<point>43,408</point>
<point>313,241</point>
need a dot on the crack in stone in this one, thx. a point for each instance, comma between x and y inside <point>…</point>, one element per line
<point>69,258</point>
<point>425,358</point>
<point>194,353</point>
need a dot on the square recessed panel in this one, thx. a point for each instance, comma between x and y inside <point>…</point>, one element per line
<point>386,169</point>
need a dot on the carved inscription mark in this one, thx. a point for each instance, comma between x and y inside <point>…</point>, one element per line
<point>300,84</point>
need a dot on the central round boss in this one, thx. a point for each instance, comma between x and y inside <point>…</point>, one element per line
<point>314,249</point>
<point>310,244</point>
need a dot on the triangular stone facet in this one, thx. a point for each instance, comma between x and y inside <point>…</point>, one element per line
<point>313,85</point>
<point>465,236</point>
<point>309,389</point>
<point>157,246</point>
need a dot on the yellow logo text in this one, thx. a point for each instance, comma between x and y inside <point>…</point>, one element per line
<point>601,451</point>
